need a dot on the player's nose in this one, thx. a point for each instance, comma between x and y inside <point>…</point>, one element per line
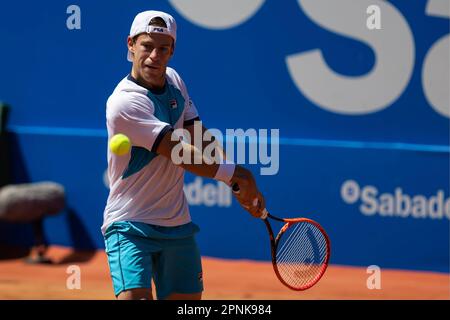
<point>154,55</point>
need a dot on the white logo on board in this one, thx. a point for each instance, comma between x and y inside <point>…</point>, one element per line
<point>208,194</point>
<point>393,46</point>
<point>217,14</point>
<point>397,203</point>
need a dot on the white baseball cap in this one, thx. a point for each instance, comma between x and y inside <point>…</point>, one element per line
<point>141,25</point>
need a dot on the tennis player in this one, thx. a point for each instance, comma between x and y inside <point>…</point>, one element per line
<point>147,227</point>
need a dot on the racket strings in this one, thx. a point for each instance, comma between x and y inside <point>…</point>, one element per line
<point>287,250</point>
<point>300,267</point>
<point>297,267</point>
<point>301,254</point>
<point>292,261</point>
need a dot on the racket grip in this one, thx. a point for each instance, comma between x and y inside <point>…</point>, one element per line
<point>235,189</point>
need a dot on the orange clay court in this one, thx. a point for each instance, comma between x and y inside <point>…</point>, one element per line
<point>223,279</point>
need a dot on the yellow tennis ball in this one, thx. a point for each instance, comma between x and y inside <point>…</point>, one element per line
<point>120,144</point>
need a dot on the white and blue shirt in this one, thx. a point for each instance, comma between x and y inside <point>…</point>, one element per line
<point>145,186</point>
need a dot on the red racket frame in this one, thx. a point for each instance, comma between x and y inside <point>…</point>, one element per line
<point>274,244</point>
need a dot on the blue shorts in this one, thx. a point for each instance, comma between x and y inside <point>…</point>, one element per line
<point>138,252</point>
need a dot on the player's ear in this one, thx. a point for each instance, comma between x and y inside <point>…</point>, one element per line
<point>130,43</point>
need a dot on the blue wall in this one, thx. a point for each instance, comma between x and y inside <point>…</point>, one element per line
<point>374,174</point>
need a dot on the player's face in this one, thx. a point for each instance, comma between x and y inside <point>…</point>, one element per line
<point>152,53</point>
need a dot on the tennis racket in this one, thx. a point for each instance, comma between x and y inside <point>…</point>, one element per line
<point>300,251</point>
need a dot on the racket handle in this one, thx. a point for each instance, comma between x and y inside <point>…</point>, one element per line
<point>235,188</point>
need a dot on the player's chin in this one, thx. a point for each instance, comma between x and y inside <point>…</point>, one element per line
<point>150,72</point>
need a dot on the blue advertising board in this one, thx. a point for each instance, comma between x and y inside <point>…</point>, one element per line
<point>358,91</point>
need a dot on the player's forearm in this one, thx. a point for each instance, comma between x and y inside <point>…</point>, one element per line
<point>209,142</point>
<point>194,161</point>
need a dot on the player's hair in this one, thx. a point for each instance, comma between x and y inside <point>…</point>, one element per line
<point>158,22</point>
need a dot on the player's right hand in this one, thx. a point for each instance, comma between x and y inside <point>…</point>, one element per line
<point>248,196</point>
